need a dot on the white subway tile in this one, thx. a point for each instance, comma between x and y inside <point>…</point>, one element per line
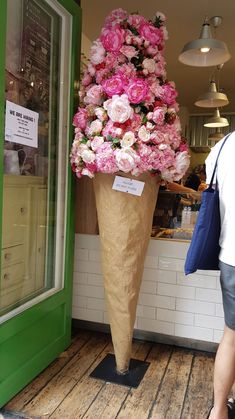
<point>87,241</point>
<point>96,303</point>
<point>95,255</point>
<point>89,267</point>
<point>146,312</point>
<point>156,326</point>
<point>151,262</point>
<point>176,290</point>
<point>218,334</point>
<point>89,291</point>
<point>195,306</point>
<point>149,287</point>
<point>209,321</point>
<point>95,279</point>
<point>175,316</point>
<point>79,301</point>
<point>171,264</point>
<point>213,296</point>
<point>193,332</point>
<point>156,301</point>
<point>81,254</point>
<point>164,248</point>
<point>89,315</point>
<point>219,311</point>
<point>194,280</point>
<point>149,274</point>
<point>218,286</point>
<point>168,277</point>
<point>80,277</point>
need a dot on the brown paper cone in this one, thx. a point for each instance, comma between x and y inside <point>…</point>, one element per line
<point>125,223</point>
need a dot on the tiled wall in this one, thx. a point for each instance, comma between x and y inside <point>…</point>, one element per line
<point>169,303</point>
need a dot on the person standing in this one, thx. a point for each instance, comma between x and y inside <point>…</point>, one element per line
<point>224,370</point>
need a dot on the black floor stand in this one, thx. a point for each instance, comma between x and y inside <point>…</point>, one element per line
<point>106,371</point>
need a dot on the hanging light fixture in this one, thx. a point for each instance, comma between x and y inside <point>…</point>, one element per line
<point>205,51</point>
<point>216,121</point>
<point>212,98</point>
<point>216,135</point>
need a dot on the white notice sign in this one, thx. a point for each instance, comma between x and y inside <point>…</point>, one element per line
<point>21,125</point>
<point>124,184</point>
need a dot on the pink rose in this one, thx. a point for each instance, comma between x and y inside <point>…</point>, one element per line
<point>129,51</point>
<point>94,95</point>
<point>97,142</point>
<point>149,64</point>
<point>126,159</point>
<point>80,118</point>
<point>95,127</point>
<point>118,108</point>
<point>137,90</point>
<point>113,86</point>
<point>97,52</point>
<point>87,79</point>
<point>150,33</point>
<point>159,116</point>
<point>112,38</point>
<point>169,93</point>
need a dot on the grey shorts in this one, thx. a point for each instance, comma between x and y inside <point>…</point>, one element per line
<point>227,281</point>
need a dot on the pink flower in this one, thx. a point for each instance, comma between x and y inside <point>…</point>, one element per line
<point>113,86</point>
<point>94,95</point>
<point>101,114</point>
<point>115,16</point>
<point>112,38</point>
<point>80,118</point>
<point>137,90</point>
<point>129,51</point>
<point>136,20</point>
<point>87,79</point>
<point>128,139</point>
<point>169,93</point>
<point>96,142</point>
<point>97,52</point>
<point>159,116</point>
<point>95,127</point>
<point>149,65</point>
<point>150,33</point>
<point>118,108</point>
<point>144,134</point>
<point>105,159</point>
<point>126,159</point>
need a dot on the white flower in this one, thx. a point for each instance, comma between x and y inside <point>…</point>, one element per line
<point>149,65</point>
<point>101,114</point>
<point>149,126</point>
<point>118,108</point>
<point>144,134</point>
<point>95,127</point>
<point>128,139</point>
<point>163,146</point>
<point>126,159</point>
<point>97,52</point>
<point>96,142</point>
<point>81,148</point>
<point>86,172</point>
<point>182,162</point>
<point>88,156</point>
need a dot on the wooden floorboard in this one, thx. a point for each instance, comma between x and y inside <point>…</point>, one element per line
<point>177,385</point>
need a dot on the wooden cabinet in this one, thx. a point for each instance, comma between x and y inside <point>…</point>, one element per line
<point>23,238</point>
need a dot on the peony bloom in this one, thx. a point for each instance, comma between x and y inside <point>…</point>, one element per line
<point>137,90</point>
<point>96,142</point>
<point>150,33</point>
<point>95,127</point>
<point>159,115</point>
<point>126,159</point>
<point>88,156</point>
<point>80,118</point>
<point>115,17</point>
<point>144,134</point>
<point>129,51</point>
<point>113,86</point>
<point>94,95</point>
<point>118,108</point>
<point>97,52</point>
<point>169,93</point>
<point>112,38</point>
<point>128,139</point>
<point>149,65</point>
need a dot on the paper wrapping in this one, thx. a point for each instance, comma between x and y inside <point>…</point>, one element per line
<point>125,223</point>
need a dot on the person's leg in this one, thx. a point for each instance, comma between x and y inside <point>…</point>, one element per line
<point>223,374</point>
<point>224,371</point>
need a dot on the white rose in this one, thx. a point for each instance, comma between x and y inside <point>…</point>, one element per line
<point>101,114</point>
<point>149,65</point>
<point>97,52</point>
<point>126,159</point>
<point>128,139</point>
<point>149,126</point>
<point>96,142</point>
<point>95,127</point>
<point>118,108</point>
<point>144,134</point>
<point>81,148</point>
<point>88,156</point>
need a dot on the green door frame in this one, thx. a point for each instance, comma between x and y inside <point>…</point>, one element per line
<point>34,338</point>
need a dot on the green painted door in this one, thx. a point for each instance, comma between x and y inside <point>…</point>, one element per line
<point>39,64</point>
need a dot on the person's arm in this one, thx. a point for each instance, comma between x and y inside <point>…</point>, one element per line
<point>176,187</point>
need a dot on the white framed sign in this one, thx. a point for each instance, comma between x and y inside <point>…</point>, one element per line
<point>21,125</point>
<point>125,184</point>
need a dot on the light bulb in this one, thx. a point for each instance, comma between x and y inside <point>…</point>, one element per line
<point>204,50</point>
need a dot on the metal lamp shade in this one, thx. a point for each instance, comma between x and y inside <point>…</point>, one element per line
<point>216,121</point>
<point>212,99</point>
<point>217,53</point>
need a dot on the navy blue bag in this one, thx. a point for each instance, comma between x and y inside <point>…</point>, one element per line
<point>203,252</point>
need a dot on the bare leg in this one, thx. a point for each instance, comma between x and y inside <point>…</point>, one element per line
<point>223,374</point>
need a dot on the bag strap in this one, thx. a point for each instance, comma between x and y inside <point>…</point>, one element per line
<point>215,167</point>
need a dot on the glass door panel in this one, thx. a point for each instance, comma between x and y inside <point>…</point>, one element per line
<point>34,191</point>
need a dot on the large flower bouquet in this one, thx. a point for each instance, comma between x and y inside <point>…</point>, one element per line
<point>127,119</point>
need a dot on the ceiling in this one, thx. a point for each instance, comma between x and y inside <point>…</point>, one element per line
<point>184,20</point>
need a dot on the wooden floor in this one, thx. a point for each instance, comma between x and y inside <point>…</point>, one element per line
<point>178,384</point>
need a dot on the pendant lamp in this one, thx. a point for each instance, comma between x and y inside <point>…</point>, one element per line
<point>216,135</point>
<point>216,121</point>
<point>212,98</point>
<point>205,51</point>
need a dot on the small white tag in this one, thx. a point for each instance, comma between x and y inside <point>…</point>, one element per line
<point>124,184</point>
